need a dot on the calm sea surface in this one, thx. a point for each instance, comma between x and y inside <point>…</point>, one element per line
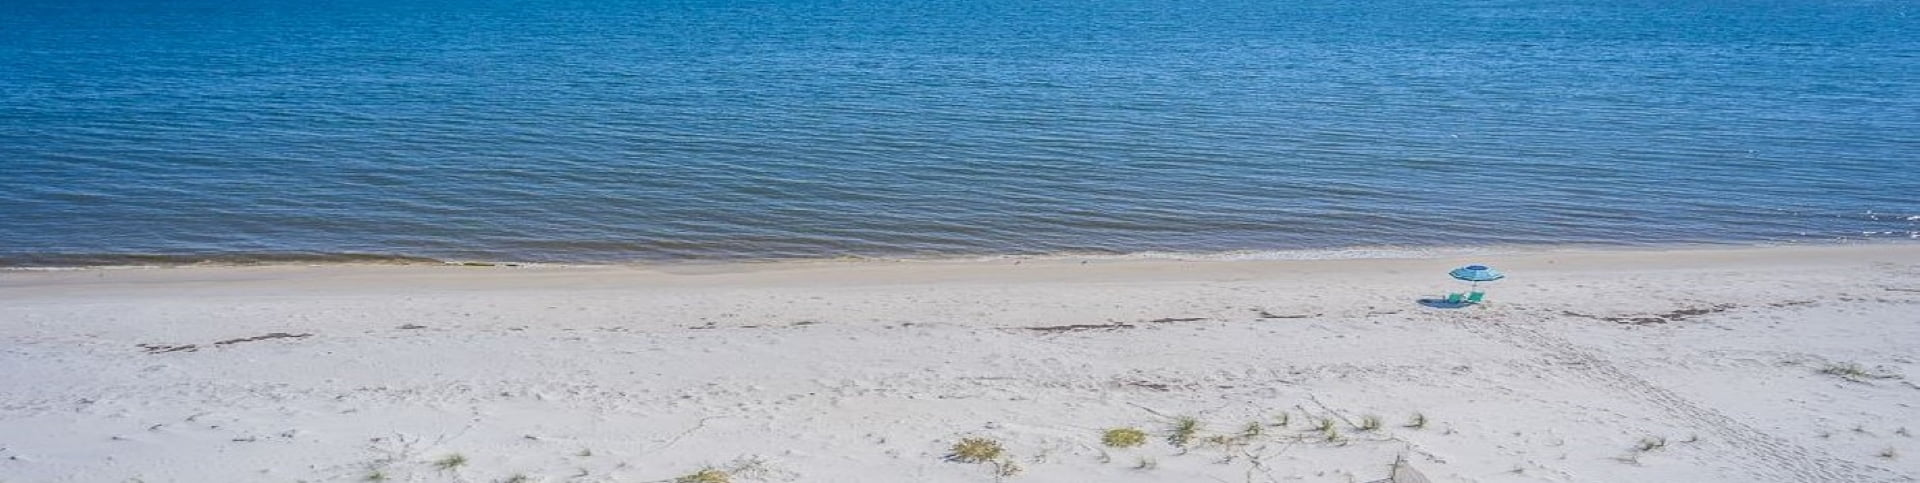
<point>613,130</point>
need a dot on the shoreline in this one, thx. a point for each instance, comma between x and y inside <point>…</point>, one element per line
<point>302,259</point>
<point>1016,268</point>
<point>1744,364</point>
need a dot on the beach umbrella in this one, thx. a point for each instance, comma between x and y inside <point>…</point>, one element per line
<point>1476,274</point>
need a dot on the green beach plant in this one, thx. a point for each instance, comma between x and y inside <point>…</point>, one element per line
<point>1368,423</point>
<point>987,451</point>
<point>1650,443</point>
<point>1006,468</point>
<point>1322,425</point>
<point>1855,372</point>
<point>1419,421</point>
<point>1123,438</point>
<point>1181,433</point>
<point>1253,430</point>
<point>976,450</point>
<point>450,462</point>
<point>706,475</point>
<point>1221,441</point>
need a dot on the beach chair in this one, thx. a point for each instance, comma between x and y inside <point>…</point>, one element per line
<point>1475,297</point>
<point>1453,298</point>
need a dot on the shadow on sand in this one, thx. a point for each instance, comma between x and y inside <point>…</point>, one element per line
<point>1443,304</point>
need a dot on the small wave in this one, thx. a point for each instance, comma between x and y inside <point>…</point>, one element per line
<point>1346,253</point>
<point>96,260</point>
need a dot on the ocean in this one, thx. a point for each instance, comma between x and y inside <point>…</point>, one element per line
<point>613,131</point>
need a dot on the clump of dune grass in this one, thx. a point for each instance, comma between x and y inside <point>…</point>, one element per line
<point>751,467</point>
<point>450,462</point>
<point>1418,421</point>
<point>1329,432</point>
<point>1005,468</point>
<point>984,451</point>
<point>517,479</point>
<point>1650,443</point>
<point>375,476</point>
<point>1281,420</point>
<point>1321,425</point>
<point>1222,441</point>
<point>1123,438</point>
<point>1181,434</point>
<point>1368,423</point>
<point>976,450</point>
<point>706,475</point>
<point>1889,453</point>
<point>1855,372</point>
<point>1253,430</point>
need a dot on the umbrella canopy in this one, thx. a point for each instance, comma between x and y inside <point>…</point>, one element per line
<point>1477,273</point>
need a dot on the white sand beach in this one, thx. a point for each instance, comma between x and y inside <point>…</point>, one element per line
<point>1793,364</point>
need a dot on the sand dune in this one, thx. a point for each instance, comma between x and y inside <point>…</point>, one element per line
<point>1733,365</point>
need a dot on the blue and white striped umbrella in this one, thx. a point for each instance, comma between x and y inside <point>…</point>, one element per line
<point>1477,273</point>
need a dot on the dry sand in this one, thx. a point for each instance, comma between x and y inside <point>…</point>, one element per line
<point>870,371</point>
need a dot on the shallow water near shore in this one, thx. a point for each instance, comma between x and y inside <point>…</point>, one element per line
<point>593,132</point>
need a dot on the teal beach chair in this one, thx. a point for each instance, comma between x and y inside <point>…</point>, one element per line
<point>1475,297</point>
<point>1453,298</point>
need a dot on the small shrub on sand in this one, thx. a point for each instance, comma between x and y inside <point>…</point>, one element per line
<point>1184,428</point>
<point>1253,430</point>
<point>751,468</point>
<point>1368,423</point>
<point>1419,421</point>
<point>1283,419</point>
<point>517,479</point>
<point>1855,372</point>
<point>1005,468</point>
<point>706,475</point>
<point>1650,443</point>
<point>375,476</point>
<point>1123,438</point>
<point>1221,441</point>
<point>1322,425</point>
<point>984,451</point>
<point>450,462</point>
<point>1889,453</point>
<point>976,450</point>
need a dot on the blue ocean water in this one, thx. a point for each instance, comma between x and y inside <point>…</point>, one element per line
<point>612,130</point>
